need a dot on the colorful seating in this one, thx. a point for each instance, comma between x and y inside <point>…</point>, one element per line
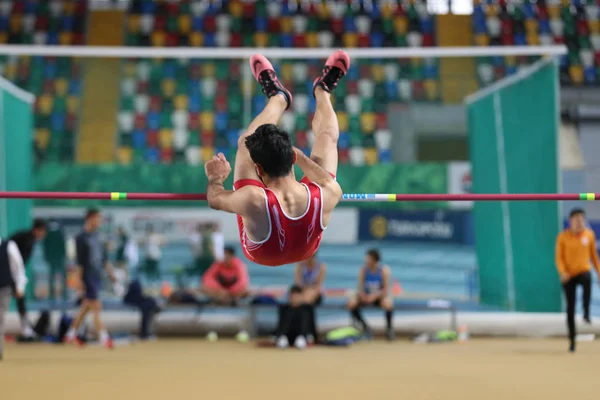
<point>205,99</point>
<point>56,81</point>
<point>575,23</point>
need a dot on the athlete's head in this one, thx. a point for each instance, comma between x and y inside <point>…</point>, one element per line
<point>372,257</point>
<point>39,229</point>
<point>577,220</point>
<point>229,255</point>
<point>93,219</point>
<point>272,151</point>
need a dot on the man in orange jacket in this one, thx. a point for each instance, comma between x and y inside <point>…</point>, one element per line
<point>575,247</point>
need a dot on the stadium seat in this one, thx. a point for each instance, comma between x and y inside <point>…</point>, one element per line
<point>201,104</point>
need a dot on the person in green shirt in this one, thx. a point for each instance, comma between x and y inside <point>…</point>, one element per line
<point>202,249</point>
<point>54,247</point>
<point>120,256</point>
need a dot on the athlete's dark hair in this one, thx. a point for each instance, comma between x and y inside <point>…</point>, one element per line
<point>39,223</point>
<point>229,250</point>
<point>374,253</point>
<point>91,212</point>
<point>576,211</point>
<point>271,148</point>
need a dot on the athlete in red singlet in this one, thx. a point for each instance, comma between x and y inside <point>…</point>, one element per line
<point>280,219</point>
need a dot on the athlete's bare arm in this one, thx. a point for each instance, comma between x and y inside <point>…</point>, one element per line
<point>386,277</point>
<point>245,201</point>
<point>315,173</point>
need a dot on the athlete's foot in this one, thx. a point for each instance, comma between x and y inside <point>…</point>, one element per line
<point>74,340</point>
<point>390,335</point>
<point>264,73</point>
<point>335,68</point>
<point>572,347</point>
<point>587,320</point>
<point>282,342</point>
<point>108,343</point>
<point>367,334</point>
<point>300,342</point>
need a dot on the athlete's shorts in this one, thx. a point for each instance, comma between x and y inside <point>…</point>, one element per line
<point>92,287</point>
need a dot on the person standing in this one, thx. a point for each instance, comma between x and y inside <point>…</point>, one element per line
<point>575,247</point>
<point>91,260</point>
<point>12,280</point>
<point>25,240</point>
<point>154,243</point>
<point>202,250</point>
<point>121,256</point>
<point>217,241</point>
<point>373,291</point>
<point>55,256</point>
<point>226,281</point>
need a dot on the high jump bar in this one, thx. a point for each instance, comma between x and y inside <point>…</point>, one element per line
<point>347,197</point>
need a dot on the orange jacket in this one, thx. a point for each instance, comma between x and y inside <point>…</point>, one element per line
<point>574,252</point>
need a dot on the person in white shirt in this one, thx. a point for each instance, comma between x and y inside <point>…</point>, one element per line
<point>207,243</point>
<point>153,245</point>
<point>12,274</point>
<point>218,242</point>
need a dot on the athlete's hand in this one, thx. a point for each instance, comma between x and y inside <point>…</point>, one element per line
<point>218,168</point>
<point>564,278</point>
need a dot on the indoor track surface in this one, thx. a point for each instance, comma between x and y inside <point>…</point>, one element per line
<point>196,369</point>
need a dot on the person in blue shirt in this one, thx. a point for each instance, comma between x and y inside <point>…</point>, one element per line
<point>310,275</point>
<point>92,260</point>
<point>374,281</point>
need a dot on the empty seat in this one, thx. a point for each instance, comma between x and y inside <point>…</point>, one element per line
<point>180,138</point>
<point>300,103</point>
<point>126,121</point>
<point>353,104</point>
<point>180,119</point>
<point>371,156</point>
<point>366,87</point>
<point>124,155</point>
<point>142,103</point>
<point>383,139</point>
<point>128,87</point>
<point>405,89</point>
<point>357,156</point>
<point>287,121</point>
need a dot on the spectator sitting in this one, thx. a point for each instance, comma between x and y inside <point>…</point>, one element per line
<point>226,281</point>
<point>293,325</point>
<point>373,291</point>
<point>147,306</point>
<point>310,275</point>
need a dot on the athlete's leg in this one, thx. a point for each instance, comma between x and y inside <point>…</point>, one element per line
<point>279,100</point>
<point>325,124</point>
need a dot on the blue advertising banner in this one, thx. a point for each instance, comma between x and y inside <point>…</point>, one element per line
<point>439,226</point>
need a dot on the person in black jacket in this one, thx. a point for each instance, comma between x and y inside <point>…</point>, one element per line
<point>12,280</point>
<point>25,240</point>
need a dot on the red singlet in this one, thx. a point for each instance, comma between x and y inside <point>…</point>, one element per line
<point>290,240</point>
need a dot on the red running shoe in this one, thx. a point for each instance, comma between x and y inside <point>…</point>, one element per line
<point>264,73</point>
<point>76,341</point>
<point>335,68</point>
<point>108,343</point>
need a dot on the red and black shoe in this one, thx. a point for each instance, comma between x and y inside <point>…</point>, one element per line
<point>335,68</point>
<point>264,73</point>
